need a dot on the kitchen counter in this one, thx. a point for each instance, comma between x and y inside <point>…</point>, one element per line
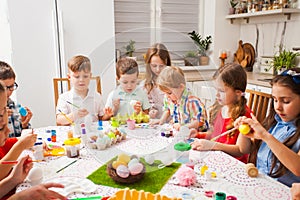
<point>205,73</point>
<point>260,79</point>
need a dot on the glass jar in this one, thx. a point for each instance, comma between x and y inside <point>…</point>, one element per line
<point>72,146</point>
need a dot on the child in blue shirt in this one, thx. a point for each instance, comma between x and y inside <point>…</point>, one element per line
<point>127,98</point>
<point>16,122</point>
<point>276,146</point>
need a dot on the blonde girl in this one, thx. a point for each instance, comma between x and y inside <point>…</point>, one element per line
<point>157,58</point>
<point>276,150</point>
<point>230,104</point>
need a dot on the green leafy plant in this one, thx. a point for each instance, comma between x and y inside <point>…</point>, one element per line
<point>233,3</point>
<point>191,54</point>
<point>130,48</point>
<point>202,43</point>
<point>285,59</point>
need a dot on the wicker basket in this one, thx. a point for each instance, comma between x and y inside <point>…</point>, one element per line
<point>130,179</point>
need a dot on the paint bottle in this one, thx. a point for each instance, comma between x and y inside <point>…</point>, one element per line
<point>83,133</point>
<point>23,112</point>
<point>53,135</point>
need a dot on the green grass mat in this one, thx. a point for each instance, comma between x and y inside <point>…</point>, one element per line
<point>153,180</point>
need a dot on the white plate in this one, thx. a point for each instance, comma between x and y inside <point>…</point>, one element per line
<point>73,184</point>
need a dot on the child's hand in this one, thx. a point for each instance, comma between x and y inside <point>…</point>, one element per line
<point>9,111</point>
<point>259,131</point>
<point>108,111</point>
<point>82,112</point>
<point>25,119</point>
<point>27,140</point>
<point>195,134</point>
<point>21,170</point>
<point>137,107</point>
<point>202,145</point>
<point>153,113</point>
<point>154,122</point>
<point>176,126</point>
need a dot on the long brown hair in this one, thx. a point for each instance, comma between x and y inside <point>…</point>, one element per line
<point>234,76</point>
<point>288,82</point>
<point>160,50</point>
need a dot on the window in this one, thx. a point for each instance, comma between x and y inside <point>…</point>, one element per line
<point>147,22</point>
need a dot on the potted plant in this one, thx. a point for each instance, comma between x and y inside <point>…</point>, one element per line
<point>285,60</point>
<point>130,48</point>
<point>233,4</point>
<point>202,45</point>
<point>191,58</point>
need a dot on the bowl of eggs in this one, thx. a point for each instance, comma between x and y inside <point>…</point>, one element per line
<point>126,169</point>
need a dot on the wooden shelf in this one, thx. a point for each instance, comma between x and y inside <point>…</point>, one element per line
<point>284,11</point>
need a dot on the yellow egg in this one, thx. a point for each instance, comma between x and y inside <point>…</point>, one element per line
<point>244,129</point>
<point>123,158</point>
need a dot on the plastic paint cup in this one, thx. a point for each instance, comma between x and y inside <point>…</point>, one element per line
<point>220,196</point>
<point>131,124</point>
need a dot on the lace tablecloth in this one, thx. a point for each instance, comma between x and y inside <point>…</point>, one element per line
<point>232,178</point>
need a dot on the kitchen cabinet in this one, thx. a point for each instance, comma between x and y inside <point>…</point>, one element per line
<point>280,13</point>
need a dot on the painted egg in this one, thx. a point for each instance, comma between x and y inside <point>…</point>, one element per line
<point>244,129</point>
<point>136,168</point>
<point>133,161</point>
<point>116,164</point>
<point>122,171</point>
<point>124,158</point>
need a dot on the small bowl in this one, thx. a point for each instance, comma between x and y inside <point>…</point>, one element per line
<point>130,179</point>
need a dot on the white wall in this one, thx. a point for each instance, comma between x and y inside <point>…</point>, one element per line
<point>33,48</point>
<point>5,47</point>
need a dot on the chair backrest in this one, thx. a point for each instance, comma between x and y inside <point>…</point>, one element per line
<point>63,84</point>
<point>259,103</point>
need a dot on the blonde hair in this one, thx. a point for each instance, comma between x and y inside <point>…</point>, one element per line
<point>170,77</point>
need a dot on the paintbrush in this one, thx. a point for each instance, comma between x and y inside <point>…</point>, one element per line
<point>12,162</point>
<point>67,118</point>
<point>225,133</point>
<point>73,104</point>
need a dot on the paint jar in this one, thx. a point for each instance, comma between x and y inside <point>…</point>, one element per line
<point>131,124</point>
<point>219,196</point>
<point>72,146</point>
<point>53,135</point>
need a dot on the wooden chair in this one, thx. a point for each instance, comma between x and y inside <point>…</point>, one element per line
<point>259,103</point>
<point>63,84</point>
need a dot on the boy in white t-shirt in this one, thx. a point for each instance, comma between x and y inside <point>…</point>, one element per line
<point>127,98</point>
<point>80,101</point>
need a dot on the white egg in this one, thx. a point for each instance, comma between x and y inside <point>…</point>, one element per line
<point>133,161</point>
<point>35,176</point>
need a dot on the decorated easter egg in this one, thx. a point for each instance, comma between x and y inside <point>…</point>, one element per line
<point>244,129</point>
<point>116,164</point>
<point>149,159</point>
<point>124,158</point>
<point>136,168</point>
<point>133,161</point>
<point>122,171</point>
<point>111,135</point>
